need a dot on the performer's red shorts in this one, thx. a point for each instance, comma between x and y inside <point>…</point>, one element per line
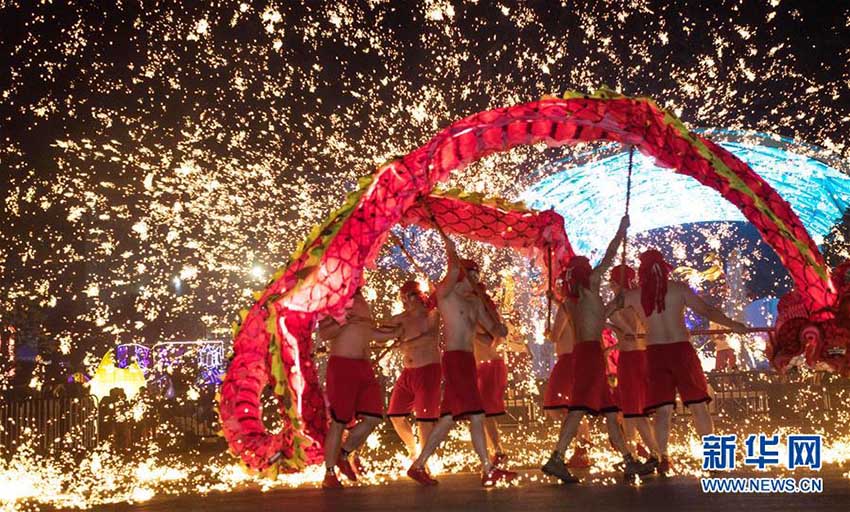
<point>352,389</point>
<point>560,382</point>
<point>590,391</point>
<point>632,382</point>
<point>724,359</point>
<point>492,381</point>
<point>671,367</point>
<point>461,397</point>
<point>417,390</point>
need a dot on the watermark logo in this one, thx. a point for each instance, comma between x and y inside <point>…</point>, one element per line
<point>761,452</point>
<point>718,452</point>
<point>761,485</point>
<point>804,451</point>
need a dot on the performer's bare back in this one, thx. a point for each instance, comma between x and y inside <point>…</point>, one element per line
<point>668,326</point>
<point>564,333</point>
<point>634,331</point>
<point>588,311</point>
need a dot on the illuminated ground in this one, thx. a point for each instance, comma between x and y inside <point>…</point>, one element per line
<point>461,492</point>
<point>103,480</point>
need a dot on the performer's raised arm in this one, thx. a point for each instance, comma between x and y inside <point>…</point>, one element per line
<point>454,266</point>
<point>611,251</point>
<point>710,312</point>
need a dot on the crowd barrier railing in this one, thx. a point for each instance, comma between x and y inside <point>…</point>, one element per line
<point>49,424</point>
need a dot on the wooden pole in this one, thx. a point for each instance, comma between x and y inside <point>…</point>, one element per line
<point>628,203</point>
<point>549,295</point>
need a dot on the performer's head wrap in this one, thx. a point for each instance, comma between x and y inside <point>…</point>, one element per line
<point>412,288</point>
<point>577,275</point>
<point>467,266</point>
<point>624,276</point>
<point>653,274</point>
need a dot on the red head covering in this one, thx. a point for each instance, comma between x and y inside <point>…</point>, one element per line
<point>576,275</point>
<point>410,287</point>
<point>653,274</point>
<point>624,276</point>
<point>469,265</point>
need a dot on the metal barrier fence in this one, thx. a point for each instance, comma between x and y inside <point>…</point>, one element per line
<point>50,424</point>
<point>54,424</point>
<point>783,398</point>
<point>735,396</point>
<point>197,423</point>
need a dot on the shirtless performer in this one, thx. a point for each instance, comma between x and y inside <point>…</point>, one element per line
<point>462,310</point>
<point>632,378</point>
<point>556,398</point>
<point>351,387</point>
<point>492,372</point>
<point>417,389</point>
<point>590,392</point>
<point>672,361</point>
<point>725,358</point>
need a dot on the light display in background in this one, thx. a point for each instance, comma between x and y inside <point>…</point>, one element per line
<point>590,192</point>
<point>127,353</point>
<point>204,357</point>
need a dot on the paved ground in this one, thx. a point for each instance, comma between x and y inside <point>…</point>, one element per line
<point>461,493</point>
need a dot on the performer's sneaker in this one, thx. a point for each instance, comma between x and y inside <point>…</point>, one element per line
<point>652,462</point>
<point>421,475</point>
<point>555,467</point>
<point>580,459</point>
<point>331,481</point>
<point>495,475</point>
<point>633,467</point>
<point>642,452</point>
<point>345,468</point>
<point>664,466</point>
<point>499,459</point>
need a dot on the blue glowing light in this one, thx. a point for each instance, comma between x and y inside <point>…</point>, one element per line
<point>591,196</point>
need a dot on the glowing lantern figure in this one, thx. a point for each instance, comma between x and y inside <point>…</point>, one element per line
<point>107,376</point>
